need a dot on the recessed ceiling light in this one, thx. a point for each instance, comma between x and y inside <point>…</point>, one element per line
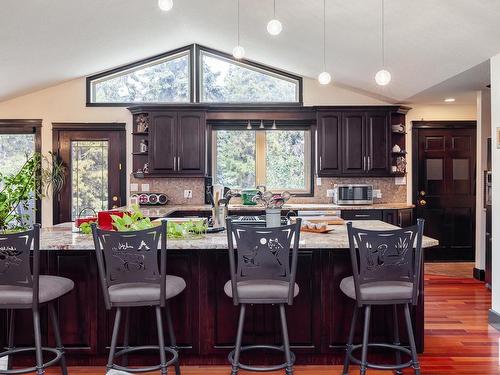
<point>449,100</point>
<point>166,5</point>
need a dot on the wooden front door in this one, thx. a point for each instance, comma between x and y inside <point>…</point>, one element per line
<point>444,189</point>
<point>95,162</point>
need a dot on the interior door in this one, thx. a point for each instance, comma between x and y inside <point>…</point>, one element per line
<point>95,162</point>
<point>446,190</point>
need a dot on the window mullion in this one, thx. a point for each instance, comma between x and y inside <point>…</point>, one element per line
<point>260,157</point>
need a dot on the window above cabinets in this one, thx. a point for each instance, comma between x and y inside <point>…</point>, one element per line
<point>170,78</point>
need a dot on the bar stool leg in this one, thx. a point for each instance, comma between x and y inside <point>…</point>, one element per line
<point>12,315</point>
<point>239,337</point>
<point>396,336</point>
<point>161,341</point>
<point>350,340</point>
<point>171,334</point>
<point>114,339</point>
<point>126,334</point>
<point>38,342</point>
<point>366,332</point>
<point>57,336</point>
<point>413,347</point>
<point>286,341</point>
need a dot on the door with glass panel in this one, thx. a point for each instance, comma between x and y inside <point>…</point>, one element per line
<point>445,190</point>
<point>95,162</point>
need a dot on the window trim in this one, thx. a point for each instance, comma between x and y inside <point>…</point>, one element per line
<point>19,126</point>
<point>195,51</point>
<point>249,64</point>
<point>145,62</point>
<point>308,152</point>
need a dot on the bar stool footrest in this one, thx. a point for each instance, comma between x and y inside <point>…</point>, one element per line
<point>57,352</point>
<point>242,366</point>
<point>382,367</point>
<point>173,352</point>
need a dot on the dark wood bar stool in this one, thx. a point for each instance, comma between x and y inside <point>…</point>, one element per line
<point>22,287</point>
<point>131,277</point>
<point>386,271</point>
<point>261,273</point>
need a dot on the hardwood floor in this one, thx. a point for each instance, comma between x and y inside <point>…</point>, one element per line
<point>458,339</point>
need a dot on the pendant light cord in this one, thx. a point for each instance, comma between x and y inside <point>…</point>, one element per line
<point>324,35</point>
<point>274,9</point>
<point>238,23</point>
<point>382,33</point>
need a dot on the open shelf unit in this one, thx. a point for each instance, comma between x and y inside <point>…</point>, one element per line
<point>398,137</point>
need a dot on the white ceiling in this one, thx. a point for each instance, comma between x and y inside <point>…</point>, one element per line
<point>44,42</point>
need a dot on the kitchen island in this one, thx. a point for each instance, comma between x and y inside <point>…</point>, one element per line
<point>204,317</point>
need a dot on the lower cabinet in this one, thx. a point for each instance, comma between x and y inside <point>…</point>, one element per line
<point>402,218</point>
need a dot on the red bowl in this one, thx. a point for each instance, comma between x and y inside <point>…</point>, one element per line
<point>82,220</point>
<point>105,221</point>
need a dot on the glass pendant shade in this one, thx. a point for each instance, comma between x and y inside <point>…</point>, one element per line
<point>238,52</point>
<point>274,27</point>
<point>324,78</point>
<point>383,77</point>
<point>165,5</point>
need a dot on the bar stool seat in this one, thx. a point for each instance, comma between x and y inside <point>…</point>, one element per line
<point>145,292</point>
<point>50,288</point>
<point>261,289</point>
<point>378,290</point>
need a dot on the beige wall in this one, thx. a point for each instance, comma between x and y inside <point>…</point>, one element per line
<point>66,103</point>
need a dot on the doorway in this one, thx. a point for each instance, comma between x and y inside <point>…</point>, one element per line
<point>444,186</point>
<point>94,155</point>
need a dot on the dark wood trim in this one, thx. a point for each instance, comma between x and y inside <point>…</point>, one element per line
<point>122,68</point>
<point>26,126</point>
<point>199,48</point>
<point>120,126</point>
<point>478,274</point>
<point>443,124</point>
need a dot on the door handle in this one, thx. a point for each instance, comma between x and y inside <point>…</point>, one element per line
<point>115,198</point>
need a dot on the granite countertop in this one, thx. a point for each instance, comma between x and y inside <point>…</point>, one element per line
<point>162,211</point>
<point>61,237</point>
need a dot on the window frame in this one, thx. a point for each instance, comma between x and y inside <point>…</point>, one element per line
<point>19,126</point>
<point>309,152</point>
<point>195,51</point>
<point>252,65</point>
<point>189,50</point>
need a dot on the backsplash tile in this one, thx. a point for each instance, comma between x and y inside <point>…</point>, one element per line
<point>174,188</point>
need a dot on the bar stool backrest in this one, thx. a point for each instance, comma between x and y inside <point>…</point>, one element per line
<point>388,255</point>
<point>15,259</point>
<point>131,257</point>
<point>263,254</point>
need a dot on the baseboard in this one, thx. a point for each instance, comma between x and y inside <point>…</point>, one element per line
<point>478,274</point>
<point>494,319</point>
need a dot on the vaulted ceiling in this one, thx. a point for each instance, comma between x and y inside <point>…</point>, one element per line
<point>428,42</point>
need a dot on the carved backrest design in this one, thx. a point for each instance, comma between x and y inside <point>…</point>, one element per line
<point>389,255</point>
<point>15,267</point>
<point>130,256</point>
<point>263,253</point>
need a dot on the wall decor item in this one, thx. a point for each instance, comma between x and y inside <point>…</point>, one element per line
<point>143,146</point>
<point>145,169</point>
<point>396,148</point>
<point>401,164</point>
<point>398,128</point>
<point>142,123</point>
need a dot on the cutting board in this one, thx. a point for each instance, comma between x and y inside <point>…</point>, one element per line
<point>326,229</point>
<point>330,220</point>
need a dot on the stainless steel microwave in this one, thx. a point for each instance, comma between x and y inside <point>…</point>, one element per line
<point>353,194</point>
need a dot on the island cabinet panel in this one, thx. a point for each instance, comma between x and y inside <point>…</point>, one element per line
<point>377,143</point>
<point>329,143</point>
<point>353,144</point>
<point>262,325</point>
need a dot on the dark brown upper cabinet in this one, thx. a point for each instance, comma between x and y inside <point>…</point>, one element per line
<point>328,140</point>
<point>177,143</point>
<point>365,143</point>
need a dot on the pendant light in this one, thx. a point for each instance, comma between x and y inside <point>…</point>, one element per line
<point>165,5</point>
<point>324,77</point>
<point>274,26</point>
<point>238,51</point>
<point>383,76</point>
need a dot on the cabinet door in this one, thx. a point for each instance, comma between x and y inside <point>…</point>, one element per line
<point>368,214</point>
<point>377,143</point>
<point>162,140</point>
<point>353,143</point>
<point>405,218</point>
<point>328,143</point>
<point>191,143</point>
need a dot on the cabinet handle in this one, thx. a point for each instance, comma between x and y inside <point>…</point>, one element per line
<point>361,215</point>
<point>369,163</point>
<point>178,163</point>
<point>320,159</point>
<point>175,163</point>
<point>364,163</point>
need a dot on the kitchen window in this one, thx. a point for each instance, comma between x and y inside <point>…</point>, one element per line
<point>278,159</point>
